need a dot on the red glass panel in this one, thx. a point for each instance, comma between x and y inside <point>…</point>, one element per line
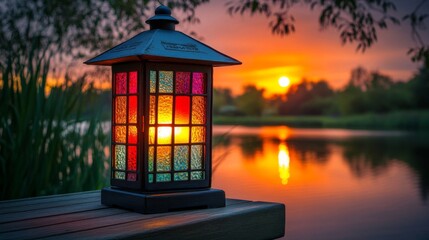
<point>121,83</point>
<point>132,109</point>
<point>182,109</point>
<point>182,82</point>
<point>131,177</point>
<point>132,134</point>
<point>132,158</point>
<point>133,83</point>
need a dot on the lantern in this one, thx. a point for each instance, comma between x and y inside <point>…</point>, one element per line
<point>161,119</point>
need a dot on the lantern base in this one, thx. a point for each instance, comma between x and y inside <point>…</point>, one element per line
<point>162,202</point>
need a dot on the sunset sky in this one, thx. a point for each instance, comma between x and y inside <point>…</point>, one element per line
<point>308,53</point>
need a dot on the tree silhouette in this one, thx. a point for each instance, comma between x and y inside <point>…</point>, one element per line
<point>357,21</point>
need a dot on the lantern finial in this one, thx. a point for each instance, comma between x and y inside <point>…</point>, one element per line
<point>162,19</point>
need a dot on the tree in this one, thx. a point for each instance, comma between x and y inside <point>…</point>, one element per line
<point>75,28</point>
<point>306,98</point>
<point>358,21</point>
<point>251,102</point>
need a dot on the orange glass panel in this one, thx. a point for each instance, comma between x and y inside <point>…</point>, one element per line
<point>198,110</point>
<point>182,108</point>
<point>152,109</point>
<point>132,109</point>
<point>132,158</point>
<point>121,109</point>
<point>198,134</point>
<point>132,86</point>
<point>132,134</point>
<point>165,108</point>
<point>163,158</point>
<point>181,135</point>
<point>120,134</point>
<point>121,83</point>
<point>164,135</point>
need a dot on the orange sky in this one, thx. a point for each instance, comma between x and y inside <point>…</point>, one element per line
<point>308,53</point>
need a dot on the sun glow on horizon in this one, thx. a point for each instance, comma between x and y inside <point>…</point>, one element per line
<point>284,81</point>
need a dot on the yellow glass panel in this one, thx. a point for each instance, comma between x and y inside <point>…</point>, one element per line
<point>181,135</point>
<point>152,135</point>
<point>165,109</point>
<point>198,134</point>
<point>164,135</point>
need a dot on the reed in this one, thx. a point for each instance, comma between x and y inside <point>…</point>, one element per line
<point>45,145</point>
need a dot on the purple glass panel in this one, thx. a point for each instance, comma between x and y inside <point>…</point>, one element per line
<point>198,83</point>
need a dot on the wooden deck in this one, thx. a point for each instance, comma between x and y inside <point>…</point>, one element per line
<point>81,216</point>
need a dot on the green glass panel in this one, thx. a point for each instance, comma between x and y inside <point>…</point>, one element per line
<point>120,152</point>
<point>163,158</point>
<point>151,158</point>
<point>196,157</point>
<point>197,175</point>
<point>180,158</point>
<point>163,177</point>
<point>152,81</point>
<point>165,82</point>
<point>181,176</point>
<point>150,178</point>
<point>120,175</point>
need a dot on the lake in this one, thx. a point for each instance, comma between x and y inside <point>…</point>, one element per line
<point>336,184</point>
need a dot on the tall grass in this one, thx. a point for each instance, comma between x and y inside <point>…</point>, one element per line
<point>45,145</point>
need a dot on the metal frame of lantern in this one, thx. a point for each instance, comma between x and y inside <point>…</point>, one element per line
<point>182,172</point>
<point>161,120</point>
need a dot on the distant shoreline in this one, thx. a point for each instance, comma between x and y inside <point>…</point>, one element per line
<point>400,120</point>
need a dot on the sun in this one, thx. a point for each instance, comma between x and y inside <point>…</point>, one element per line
<point>284,81</point>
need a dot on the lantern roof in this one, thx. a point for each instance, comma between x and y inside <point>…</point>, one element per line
<point>163,43</point>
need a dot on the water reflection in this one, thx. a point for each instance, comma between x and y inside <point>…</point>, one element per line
<point>284,161</point>
<point>379,178</point>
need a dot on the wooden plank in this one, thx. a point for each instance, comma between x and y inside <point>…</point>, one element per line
<point>31,207</point>
<point>80,215</point>
<point>248,220</point>
<point>51,212</point>
<point>57,219</point>
<point>46,199</point>
<point>57,225</point>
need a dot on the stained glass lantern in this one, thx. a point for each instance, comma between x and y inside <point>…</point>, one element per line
<point>161,119</point>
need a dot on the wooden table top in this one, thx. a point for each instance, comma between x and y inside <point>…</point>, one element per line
<point>81,216</point>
